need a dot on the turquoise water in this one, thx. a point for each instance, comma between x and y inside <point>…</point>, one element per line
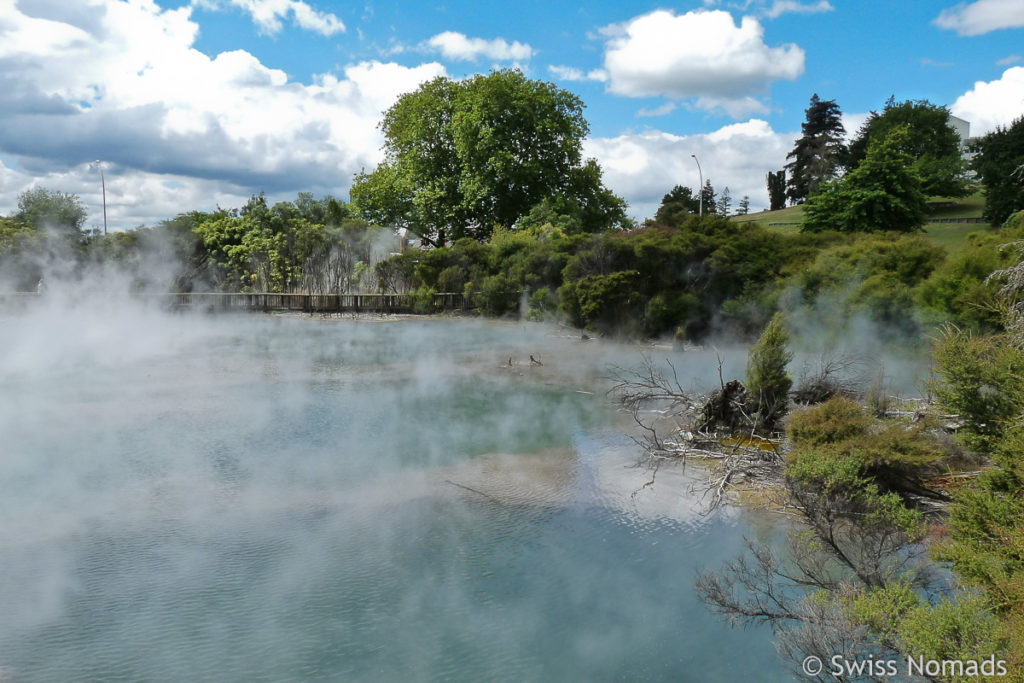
<point>258,498</point>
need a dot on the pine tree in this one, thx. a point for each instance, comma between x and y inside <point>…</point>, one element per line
<point>743,208</point>
<point>707,195</point>
<point>820,151</point>
<point>724,200</point>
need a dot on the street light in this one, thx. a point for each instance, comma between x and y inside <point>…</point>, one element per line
<point>103,184</point>
<point>700,188</point>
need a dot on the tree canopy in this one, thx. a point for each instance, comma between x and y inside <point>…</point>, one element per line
<point>819,152</point>
<point>462,157</point>
<point>882,193</point>
<point>932,144</point>
<point>999,162</point>
<point>679,203</point>
<point>43,209</point>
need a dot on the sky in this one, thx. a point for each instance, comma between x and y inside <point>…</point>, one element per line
<point>195,104</point>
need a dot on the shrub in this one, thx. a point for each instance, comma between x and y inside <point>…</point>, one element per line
<point>838,419</point>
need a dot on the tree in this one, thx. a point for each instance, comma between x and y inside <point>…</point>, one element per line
<point>931,143</point>
<point>819,152</point>
<point>724,200</point>
<point>464,156</point>
<point>882,193</point>
<point>43,209</point>
<point>743,208</point>
<point>707,195</point>
<point>777,190</point>
<point>676,206</point>
<point>768,383</point>
<point>999,162</point>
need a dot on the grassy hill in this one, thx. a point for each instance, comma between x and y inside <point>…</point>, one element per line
<point>950,220</point>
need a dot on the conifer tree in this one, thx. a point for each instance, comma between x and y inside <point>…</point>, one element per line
<point>777,190</point>
<point>820,151</point>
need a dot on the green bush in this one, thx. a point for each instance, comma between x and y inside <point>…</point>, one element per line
<point>837,420</point>
<point>423,300</point>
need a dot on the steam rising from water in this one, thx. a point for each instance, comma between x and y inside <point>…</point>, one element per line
<point>267,498</point>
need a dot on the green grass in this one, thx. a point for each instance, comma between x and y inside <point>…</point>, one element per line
<point>951,236</point>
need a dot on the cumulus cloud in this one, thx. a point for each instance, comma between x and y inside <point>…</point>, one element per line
<point>458,46</point>
<point>267,14</point>
<point>780,7</point>
<point>642,167</point>
<point>701,54</point>
<point>122,82</point>
<point>982,16</point>
<point>992,103</point>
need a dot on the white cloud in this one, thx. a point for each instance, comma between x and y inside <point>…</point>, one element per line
<point>1011,59</point>
<point>666,108</point>
<point>780,7</point>
<point>571,73</point>
<point>566,73</point>
<point>452,45</point>
<point>642,167</point>
<point>121,82</point>
<point>700,54</point>
<point>982,16</point>
<point>267,14</point>
<point>992,103</point>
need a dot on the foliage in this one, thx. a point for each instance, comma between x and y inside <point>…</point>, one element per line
<point>768,383</point>
<point>931,145</point>
<point>743,207</point>
<point>874,275</point>
<point>838,436</point>
<point>777,189</point>
<point>884,192</point>
<point>48,210</point>
<point>960,290</point>
<point>982,380</point>
<point>677,205</point>
<point>464,156</point>
<point>724,203</point>
<point>818,153</point>
<point>999,163</point>
<point>835,421</point>
<point>708,197</point>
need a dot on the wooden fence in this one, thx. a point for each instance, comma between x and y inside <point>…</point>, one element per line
<point>307,303</point>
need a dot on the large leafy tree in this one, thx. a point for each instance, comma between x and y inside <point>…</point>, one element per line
<point>48,210</point>
<point>820,150</point>
<point>679,203</point>
<point>999,163</point>
<point>464,156</point>
<point>932,144</point>
<point>882,193</point>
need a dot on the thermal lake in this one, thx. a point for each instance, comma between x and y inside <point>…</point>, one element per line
<point>261,498</point>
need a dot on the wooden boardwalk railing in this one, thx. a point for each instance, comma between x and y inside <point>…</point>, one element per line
<point>266,301</point>
<point>307,303</point>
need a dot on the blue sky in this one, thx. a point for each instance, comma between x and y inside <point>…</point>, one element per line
<point>192,104</point>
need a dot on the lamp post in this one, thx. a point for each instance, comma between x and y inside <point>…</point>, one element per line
<point>103,184</point>
<point>700,188</point>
